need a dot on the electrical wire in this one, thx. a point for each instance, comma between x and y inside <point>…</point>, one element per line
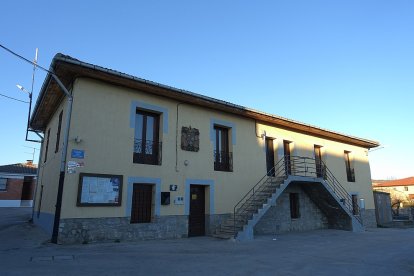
<point>25,59</point>
<point>13,98</point>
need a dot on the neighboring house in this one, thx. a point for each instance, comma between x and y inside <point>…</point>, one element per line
<point>146,161</point>
<point>17,182</point>
<point>404,187</point>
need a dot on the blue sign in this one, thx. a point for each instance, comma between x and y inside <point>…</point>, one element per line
<point>80,154</point>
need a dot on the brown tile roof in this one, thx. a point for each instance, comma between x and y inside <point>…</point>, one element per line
<point>409,181</point>
<point>18,168</point>
<point>69,68</point>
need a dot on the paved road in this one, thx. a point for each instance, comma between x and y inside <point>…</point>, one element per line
<point>24,250</point>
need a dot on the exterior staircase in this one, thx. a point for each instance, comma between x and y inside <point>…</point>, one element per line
<point>316,180</point>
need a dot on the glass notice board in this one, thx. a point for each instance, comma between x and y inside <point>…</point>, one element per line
<point>99,190</point>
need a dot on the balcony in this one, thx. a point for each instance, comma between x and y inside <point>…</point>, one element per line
<point>147,152</point>
<point>223,161</point>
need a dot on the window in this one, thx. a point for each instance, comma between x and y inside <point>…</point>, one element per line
<point>141,210</point>
<point>3,184</point>
<point>406,188</point>
<point>58,132</point>
<point>350,173</point>
<point>223,159</point>
<point>47,144</point>
<point>294,205</point>
<point>147,148</point>
<point>320,169</point>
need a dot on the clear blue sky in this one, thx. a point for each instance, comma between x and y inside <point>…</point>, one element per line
<point>343,65</point>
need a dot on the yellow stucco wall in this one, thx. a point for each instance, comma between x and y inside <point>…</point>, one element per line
<point>49,170</point>
<point>101,118</point>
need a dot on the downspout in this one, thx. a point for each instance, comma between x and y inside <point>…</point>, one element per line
<point>58,209</point>
<point>176,139</point>
<point>37,179</point>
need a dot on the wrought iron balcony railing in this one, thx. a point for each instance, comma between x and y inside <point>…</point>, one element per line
<point>147,152</point>
<point>350,174</point>
<point>223,161</point>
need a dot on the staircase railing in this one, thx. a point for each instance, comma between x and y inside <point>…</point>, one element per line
<point>311,167</point>
<point>241,207</point>
<point>297,166</point>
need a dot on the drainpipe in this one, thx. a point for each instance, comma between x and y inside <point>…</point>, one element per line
<point>56,222</point>
<point>176,139</point>
<point>37,179</point>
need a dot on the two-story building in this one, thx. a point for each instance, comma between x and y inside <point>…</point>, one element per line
<point>144,160</point>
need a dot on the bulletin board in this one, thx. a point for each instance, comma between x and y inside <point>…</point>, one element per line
<point>99,190</point>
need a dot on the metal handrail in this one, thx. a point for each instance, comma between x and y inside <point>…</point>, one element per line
<point>307,166</point>
<point>256,188</point>
<point>298,166</point>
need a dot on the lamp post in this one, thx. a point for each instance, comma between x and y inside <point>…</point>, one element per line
<point>30,109</point>
<point>51,74</point>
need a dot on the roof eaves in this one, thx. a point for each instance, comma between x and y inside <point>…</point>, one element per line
<point>68,59</point>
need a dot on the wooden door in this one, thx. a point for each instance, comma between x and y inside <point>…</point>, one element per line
<point>141,203</point>
<point>197,217</point>
<point>270,157</point>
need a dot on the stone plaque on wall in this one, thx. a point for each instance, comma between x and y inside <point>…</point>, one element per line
<point>190,139</point>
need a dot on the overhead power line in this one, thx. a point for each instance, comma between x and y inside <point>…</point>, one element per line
<point>13,98</point>
<point>25,59</point>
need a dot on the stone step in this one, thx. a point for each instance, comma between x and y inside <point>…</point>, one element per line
<point>230,227</point>
<point>226,231</point>
<point>223,236</point>
<point>255,205</point>
<point>232,222</point>
<point>262,196</point>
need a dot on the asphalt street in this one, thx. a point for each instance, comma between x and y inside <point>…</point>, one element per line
<point>25,250</point>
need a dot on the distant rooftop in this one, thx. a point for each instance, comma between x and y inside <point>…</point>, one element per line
<point>19,168</point>
<point>409,181</point>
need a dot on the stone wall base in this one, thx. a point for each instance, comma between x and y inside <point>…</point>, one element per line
<point>368,218</point>
<point>81,230</point>
<point>278,219</point>
<point>120,229</point>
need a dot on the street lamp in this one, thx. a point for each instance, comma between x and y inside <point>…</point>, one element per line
<point>30,110</point>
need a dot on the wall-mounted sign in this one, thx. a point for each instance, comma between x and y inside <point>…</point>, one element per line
<point>79,154</point>
<point>99,190</point>
<point>75,164</point>
<point>173,188</point>
<point>71,170</point>
<point>179,200</point>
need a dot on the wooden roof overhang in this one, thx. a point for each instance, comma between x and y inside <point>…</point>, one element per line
<point>68,69</point>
